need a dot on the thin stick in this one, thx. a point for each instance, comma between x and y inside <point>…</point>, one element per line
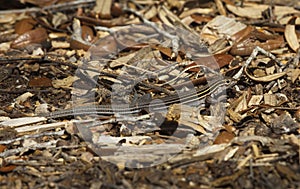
<point>251,57</point>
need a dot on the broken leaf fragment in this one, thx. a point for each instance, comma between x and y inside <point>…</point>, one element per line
<point>63,83</point>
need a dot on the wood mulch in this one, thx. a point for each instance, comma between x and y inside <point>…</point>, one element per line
<point>61,59</point>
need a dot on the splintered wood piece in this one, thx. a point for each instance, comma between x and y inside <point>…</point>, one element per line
<point>103,8</point>
<point>43,127</point>
<point>22,121</point>
<point>220,7</point>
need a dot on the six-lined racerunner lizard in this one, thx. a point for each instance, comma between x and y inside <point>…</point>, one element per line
<point>161,103</point>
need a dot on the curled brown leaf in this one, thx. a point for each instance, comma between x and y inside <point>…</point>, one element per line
<point>291,37</point>
<point>266,78</point>
<point>38,35</point>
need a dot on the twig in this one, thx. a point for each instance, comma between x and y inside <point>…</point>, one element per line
<point>252,56</point>
<point>105,29</point>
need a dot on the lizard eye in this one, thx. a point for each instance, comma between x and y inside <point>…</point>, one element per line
<point>230,81</point>
<point>227,81</point>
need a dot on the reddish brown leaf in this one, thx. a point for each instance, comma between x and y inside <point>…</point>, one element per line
<point>24,25</point>
<point>106,23</point>
<point>40,82</point>
<point>223,59</point>
<point>164,50</point>
<point>38,35</point>
<point>200,18</point>
<point>7,168</point>
<point>246,47</point>
<point>224,137</point>
<point>74,44</point>
<point>242,34</point>
<point>116,10</point>
<point>87,33</point>
<point>104,47</point>
<point>2,148</point>
<point>214,62</point>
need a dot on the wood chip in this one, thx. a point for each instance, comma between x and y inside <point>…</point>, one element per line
<point>22,121</point>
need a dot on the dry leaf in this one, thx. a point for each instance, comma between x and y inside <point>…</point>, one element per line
<point>40,82</point>
<point>105,46</point>
<point>270,99</point>
<point>242,34</point>
<point>220,27</point>
<point>291,37</point>
<point>175,3</point>
<point>266,78</point>
<point>87,33</point>
<point>7,168</point>
<point>59,19</point>
<point>22,98</point>
<point>246,11</point>
<point>24,25</point>
<point>196,11</point>
<point>152,12</point>
<point>242,102</point>
<point>87,157</point>
<point>64,83</point>
<point>6,18</point>
<point>254,11</point>
<point>255,100</point>
<point>38,36</point>
<point>295,73</point>
<point>247,46</point>
<point>2,148</point>
<point>122,60</point>
<point>224,137</point>
<point>77,45</point>
<point>29,142</point>
<point>116,9</point>
<point>200,19</point>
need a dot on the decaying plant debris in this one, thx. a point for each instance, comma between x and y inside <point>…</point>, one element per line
<point>61,59</point>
